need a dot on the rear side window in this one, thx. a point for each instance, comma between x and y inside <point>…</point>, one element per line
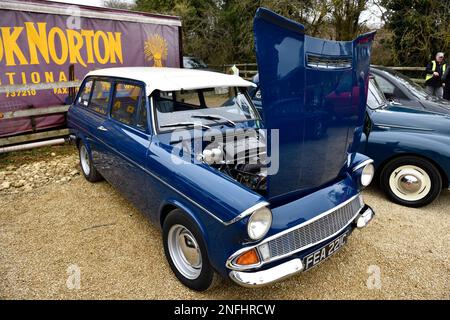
<point>100,96</point>
<point>83,98</point>
<point>129,106</point>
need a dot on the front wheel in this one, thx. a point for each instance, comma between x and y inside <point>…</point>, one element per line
<point>186,252</point>
<point>411,181</point>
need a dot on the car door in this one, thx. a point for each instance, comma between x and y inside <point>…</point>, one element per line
<point>129,139</point>
<point>90,109</point>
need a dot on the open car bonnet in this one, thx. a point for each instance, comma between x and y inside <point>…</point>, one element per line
<point>314,92</point>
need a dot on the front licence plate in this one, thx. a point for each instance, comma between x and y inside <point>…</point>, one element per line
<point>323,253</point>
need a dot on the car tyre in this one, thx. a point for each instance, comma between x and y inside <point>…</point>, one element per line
<point>186,253</point>
<point>411,181</point>
<point>87,167</point>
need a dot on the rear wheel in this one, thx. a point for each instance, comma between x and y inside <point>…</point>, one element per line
<point>186,252</point>
<point>411,181</point>
<point>87,167</point>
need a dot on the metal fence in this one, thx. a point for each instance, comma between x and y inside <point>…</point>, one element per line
<point>248,70</point>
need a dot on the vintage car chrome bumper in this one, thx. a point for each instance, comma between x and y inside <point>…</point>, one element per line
<point>261,278</point>
<point>291,267</point>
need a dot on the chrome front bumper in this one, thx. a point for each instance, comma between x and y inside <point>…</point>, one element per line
<point>261,278</point>
<point>289,268</point>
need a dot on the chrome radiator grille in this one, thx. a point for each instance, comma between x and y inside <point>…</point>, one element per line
<point>316,231</point>
<point>328,62</point>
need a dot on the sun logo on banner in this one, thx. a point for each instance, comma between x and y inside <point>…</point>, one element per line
<point>155,48</point>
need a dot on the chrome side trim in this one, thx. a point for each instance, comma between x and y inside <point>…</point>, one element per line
<point>160,180</point>
<point>229,264</point>
<point>248,212</point>
<point>362,164</point>
<point>388,126</point>
<point>168,185</point>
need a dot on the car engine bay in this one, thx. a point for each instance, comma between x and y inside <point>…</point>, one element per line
<point>240,156</point>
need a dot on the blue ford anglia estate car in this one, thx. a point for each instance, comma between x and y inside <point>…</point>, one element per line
<point>236,197</point>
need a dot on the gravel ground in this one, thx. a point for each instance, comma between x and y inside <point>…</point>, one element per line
<point>50,231</point>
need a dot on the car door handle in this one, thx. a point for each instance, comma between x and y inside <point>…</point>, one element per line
<point>102,128</point>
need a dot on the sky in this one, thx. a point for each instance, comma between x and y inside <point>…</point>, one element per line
<point>371,16</point>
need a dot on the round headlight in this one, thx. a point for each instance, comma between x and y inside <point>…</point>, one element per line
<point>259,223</point>
<point>367,174</point>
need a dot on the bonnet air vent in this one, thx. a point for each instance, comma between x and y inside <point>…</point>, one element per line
<point>321,62</point>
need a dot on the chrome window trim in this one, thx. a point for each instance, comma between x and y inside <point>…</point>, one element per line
<point>230,261</point>
<point>248,212</point>
<point>362,165</point>
<point>152,111</point>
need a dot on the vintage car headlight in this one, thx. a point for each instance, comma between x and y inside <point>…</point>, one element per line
<point>367,174</point>
<point>259,223</point>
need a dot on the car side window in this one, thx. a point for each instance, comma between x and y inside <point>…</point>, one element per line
<point>100,96</point>
<point>129,105</point>
<point>389,90</point>
<point>85,94</point>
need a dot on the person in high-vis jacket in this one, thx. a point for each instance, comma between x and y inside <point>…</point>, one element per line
<point>433,79</point>
<point>446,83</point>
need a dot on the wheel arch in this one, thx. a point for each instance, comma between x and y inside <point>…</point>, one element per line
<point>201,220</point>
<point>172,204</point>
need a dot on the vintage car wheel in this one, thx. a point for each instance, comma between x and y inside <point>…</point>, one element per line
<point>87,167</point>
<point>411,181</point>
<point>186,252</point>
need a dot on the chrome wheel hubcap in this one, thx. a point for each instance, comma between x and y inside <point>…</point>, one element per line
<point>84,159</point>
<point>184,251</point>
<point>410,183</point>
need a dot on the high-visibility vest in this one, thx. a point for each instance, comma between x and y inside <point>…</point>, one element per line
<point>429,76</point>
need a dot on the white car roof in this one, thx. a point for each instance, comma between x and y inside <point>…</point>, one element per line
<point>173,79</point>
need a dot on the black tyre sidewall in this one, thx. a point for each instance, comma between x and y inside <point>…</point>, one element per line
<point>93,176</point>
<point>432,171</point>
<point>206,277</point>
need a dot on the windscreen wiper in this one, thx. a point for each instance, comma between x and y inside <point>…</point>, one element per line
<point>185,124</point>
<point>213,118</point>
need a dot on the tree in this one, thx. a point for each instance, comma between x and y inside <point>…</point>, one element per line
<point>118,4</point>
<point>221,31</point>
<point>420,28</point>
<point>345,18</point>
<point>313,14</point>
